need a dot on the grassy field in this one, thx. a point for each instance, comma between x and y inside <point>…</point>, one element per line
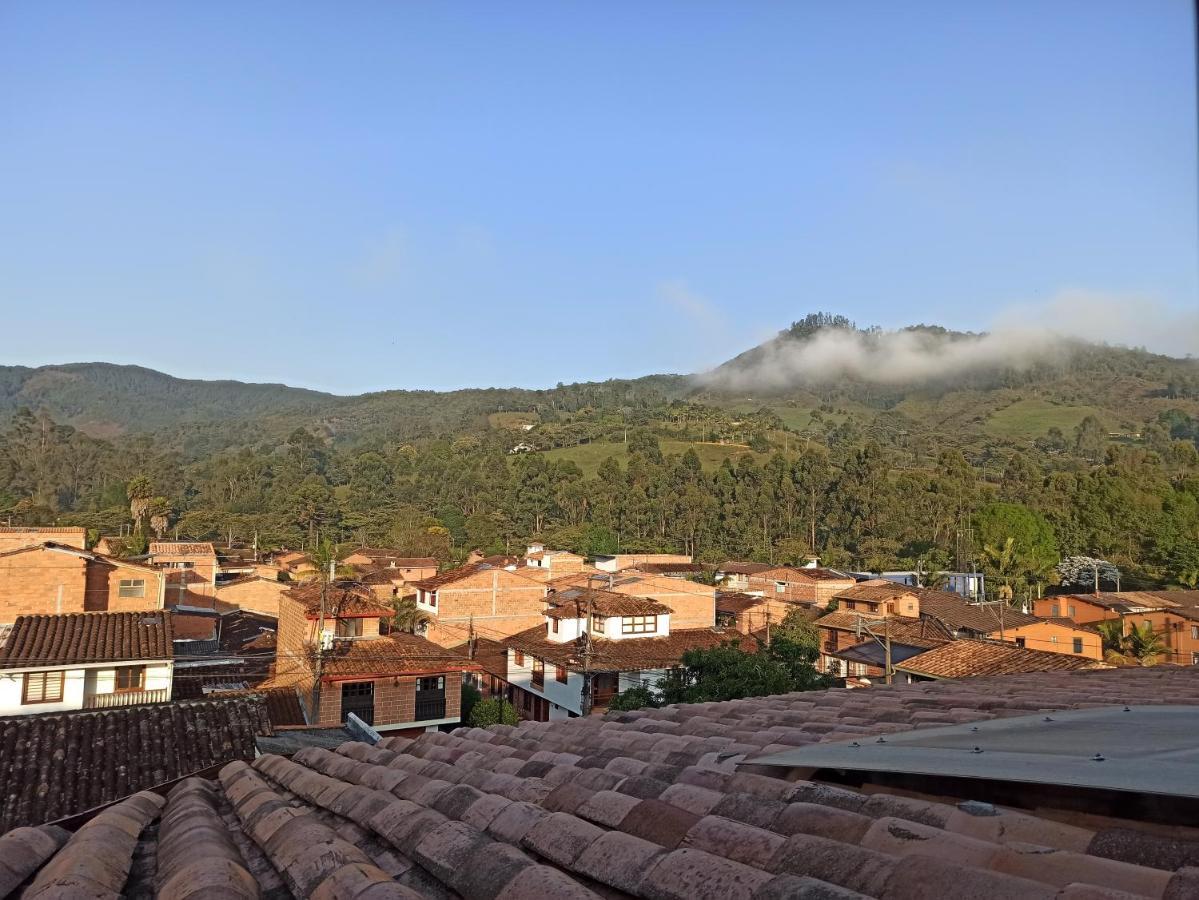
<point>1033,417</point>
<point>589,456</point>
<point>511,419</point>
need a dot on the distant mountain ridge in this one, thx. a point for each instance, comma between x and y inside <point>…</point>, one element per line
<point>106,400</point>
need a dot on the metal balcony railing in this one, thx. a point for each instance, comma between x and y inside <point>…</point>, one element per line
<point>430,708</point>
<point>126,698</point>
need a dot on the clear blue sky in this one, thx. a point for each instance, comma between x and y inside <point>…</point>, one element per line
<point>356,196</point>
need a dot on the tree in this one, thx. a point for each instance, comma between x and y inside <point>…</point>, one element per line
<point>637,697</point>
<point>140,492</point>
<point>470,698</point>
<point>407,617</point>
<point>493,711</point>
<point>1078,573</point>
<point>1090,439</point>
<point>724,673</point>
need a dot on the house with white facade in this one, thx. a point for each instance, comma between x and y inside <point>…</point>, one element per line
<point>98,660</point>
<point>631,644</point>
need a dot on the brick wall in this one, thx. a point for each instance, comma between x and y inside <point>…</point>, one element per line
<point>255,595</point>
<point>395,699</point>
<point>500,603</point>
<point>30,583</point>
<point>14,538</point>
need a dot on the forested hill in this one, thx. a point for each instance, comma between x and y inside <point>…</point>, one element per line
<point>102,398</point>
<point>924,380</point>
<point>869,452</point>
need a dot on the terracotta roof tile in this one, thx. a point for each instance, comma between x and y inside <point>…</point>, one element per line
<point>626,654</point>
<point>97,757</point>
<point>394,654</point>
<point>734,567</point>
<point>645,804</point>
<point>344,599</point>
<point>965,658</point>
<point>573,603</point>
<point>88,638</point>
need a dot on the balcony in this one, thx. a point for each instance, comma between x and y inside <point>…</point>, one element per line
<point>126,698</point>
<point>428,708</point>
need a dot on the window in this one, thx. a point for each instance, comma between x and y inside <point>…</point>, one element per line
<point>638,624</point>
<point>131,587</point>
<point>1073,611</point>
<point>554,626</point>
<point>1195,632</point>
<point>1019,642</point>
<point>42,687</point>
<point>560,674</point>
<point>432,683</point>
<point>1055,610</point>
<point>1195,659</point>
<point>130,678</point>
<point>780,587</point>
<point>1053,638</point>
<point>520,658</point>
<point>348,628</point>
<point>599,626</point>
<point>538,673</point>
<point>1078,645</point>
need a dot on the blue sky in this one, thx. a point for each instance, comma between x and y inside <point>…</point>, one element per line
<point>364,196</point>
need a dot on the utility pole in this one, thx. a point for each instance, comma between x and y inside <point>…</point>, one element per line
<point>1095,568</point>
<point>585,703</point>
<point>320,643</point>
<point>768,625</point>
<point>885,643</point>
<point>470,637</point>
<point>887,646</point>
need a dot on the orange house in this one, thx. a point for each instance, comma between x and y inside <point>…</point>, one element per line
<point>1055,637</point>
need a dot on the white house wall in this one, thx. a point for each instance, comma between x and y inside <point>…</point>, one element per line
<point>568,696</point>
<point>78,684</point>
<point>11,687</point>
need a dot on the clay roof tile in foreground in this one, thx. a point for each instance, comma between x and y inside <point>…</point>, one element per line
<point>59,764</point>
<point>58,640</point>
<point>650,804</point>
<point>654,803</point>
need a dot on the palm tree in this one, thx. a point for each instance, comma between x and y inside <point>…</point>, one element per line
<point>407,617</point>
<point>1145,644</point>
<point>1003,560</point>
<point>1139,645</point>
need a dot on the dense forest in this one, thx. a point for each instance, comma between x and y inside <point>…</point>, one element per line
<point>861,476</point>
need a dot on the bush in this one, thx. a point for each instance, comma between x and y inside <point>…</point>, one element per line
<point>639,697</point>
<point>493,711</point>
<point>470,697</point>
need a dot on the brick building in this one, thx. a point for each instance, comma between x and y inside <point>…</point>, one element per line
<point>633,643</point>
<point>789,584</point>
<point>51,578</point>
<point>395,682</point>
<point>692,605</point>
<point>494,602</point>
<point>191,571</point>
<point>15,537</point>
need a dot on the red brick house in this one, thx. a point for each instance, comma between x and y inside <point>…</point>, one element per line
<point>394,682</point>
<point>492,602</point>
<point>790,584</point>
<point>51,578</point>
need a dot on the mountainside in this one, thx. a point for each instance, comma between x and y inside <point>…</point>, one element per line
<point>821,370</point>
